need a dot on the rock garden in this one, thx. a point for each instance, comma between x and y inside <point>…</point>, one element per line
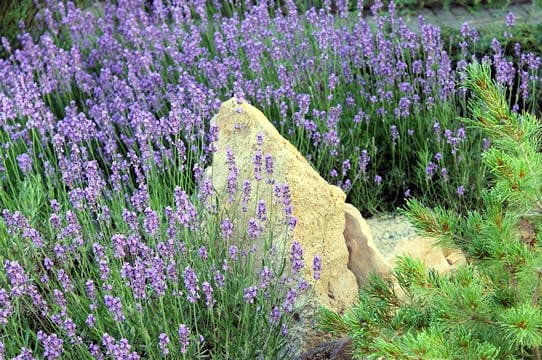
<point>267,180</point>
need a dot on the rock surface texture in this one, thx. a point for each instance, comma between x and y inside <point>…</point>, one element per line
<point>318,208</point>
<point>364,256</point>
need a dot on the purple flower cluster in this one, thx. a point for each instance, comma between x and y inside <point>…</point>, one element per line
<point>114,305</point>
<point>18,279</point>
<point>120,349</point>
<point>184,337</point>
<point>191,284</point>
<point>52,345</point>
<point>18,224</point>
<point>163,342</point>
<point>296,257</point>
<point>316,267</point>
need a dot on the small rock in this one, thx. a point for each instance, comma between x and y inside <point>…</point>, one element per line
<point>331,350</point>
<point>364,257</point>
<point>432,255</point>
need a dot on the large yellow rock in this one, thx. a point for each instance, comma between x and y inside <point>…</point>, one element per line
<point>317,205</point>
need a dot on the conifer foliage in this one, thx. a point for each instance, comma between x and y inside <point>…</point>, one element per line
<point>489,308</point>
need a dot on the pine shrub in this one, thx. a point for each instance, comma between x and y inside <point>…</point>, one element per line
<point>490,307</point>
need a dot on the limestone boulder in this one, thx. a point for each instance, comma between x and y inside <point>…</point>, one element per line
<point>364,257</point>
<point>318,207</point>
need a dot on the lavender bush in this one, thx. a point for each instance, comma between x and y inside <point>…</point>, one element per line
<point>111,243</point>
<point>102,276</point>
<point>373,107</point>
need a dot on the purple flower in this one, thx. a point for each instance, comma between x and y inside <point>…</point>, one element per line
<point>25,163</point>
<point>233,174</point>
<point>5,307</point>
<point>187,214</point>
<point>394,133</point>
<point>261,211</point>
<point>289,302</point>
<point>258,165</point>
<point>119,242</point>
<point>26,354</point>
<point>219,279</point>
<point>226,227</point>
<point>296,257</point>
<point>202,252</point>
<point>266,276</point>
<point>48,263</point>
<point>378,179</point>
<point>171,271</point>
<point>55,221</point>
<point>34,236</point>
<point>302,285</point>
<point>60,299</point>
<point>249,294</point>
<point>91,290</point>
<point>52,345</point>
<point>268,165</point>
<point>444,174</point>
<point>155,271</point>
<point>430,169</point>
<point>94,350</point>
<point>247,189</point>
<point>287,203</point>
<point>461,133</point>
<point>316,267</point>
<point>163,342</point>
<point>207,290</point>
<point>184,338</point>
<point>151,221</point>
<point>114,305</point>
<point>104,269</point>
<point>363,161</point>
<point>109,343</point>
<point>510,19</point>
<point>437,130</point>
<point>233,252</point>
<point>64,280</point>
<point>130,218</point>
<point>253,229</point>
<point>275,315</point>
<point>91,320</point>
<point>284,329</point>
<point>346,167</point>
<point>485,144</point>
<point>461,190</point>
<point>17,278</point>
<point>191,284</point>
<point>70,327</point>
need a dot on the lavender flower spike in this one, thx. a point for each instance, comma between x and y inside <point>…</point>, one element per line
<point>184,337</point>
<point>316,267</point>
<point>296,257</point>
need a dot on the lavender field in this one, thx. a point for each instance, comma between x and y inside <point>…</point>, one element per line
<point>111,243</point>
